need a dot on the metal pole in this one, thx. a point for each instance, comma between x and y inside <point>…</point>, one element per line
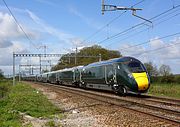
<point>69,60</point>
<point>19,73</point>
<point>103,7</point>
<point>100,58</point>
<point>29,69</point>
<point>76,57</point>
<point>32,70</point>
<point>40,63</point>
<point>13,68</point>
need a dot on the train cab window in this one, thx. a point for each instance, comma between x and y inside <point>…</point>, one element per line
<point>136,67</point>
<point>109,70</point>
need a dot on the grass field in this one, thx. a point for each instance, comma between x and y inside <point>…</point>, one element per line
<point>168,90</point>
<point>22,98</point>
<point>4,88</point>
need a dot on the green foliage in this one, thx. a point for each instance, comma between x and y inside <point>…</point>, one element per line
<point>163,75</point>
<point>152,69</point>
<point>44,71</point>
<point>177,79</point>
<point>50,124</point>
<point>1,74</point>
<point>167,79</point>
<point>4,88</point>
<point>30,101</point>
<point>165,70</point>
<point>169,90</point>
<point>66,62</point>
<point>23,98</point>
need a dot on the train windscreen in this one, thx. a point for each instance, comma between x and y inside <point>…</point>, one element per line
<point>136,67</point>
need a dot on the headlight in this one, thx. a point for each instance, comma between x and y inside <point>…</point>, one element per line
<point>130,75</point>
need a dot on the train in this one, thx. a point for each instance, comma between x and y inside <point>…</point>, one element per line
<point>120,75</point>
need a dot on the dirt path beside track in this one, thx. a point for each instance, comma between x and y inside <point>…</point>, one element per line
<point>84,112</point>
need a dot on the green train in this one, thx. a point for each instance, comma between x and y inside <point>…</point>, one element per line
<point>121,75</point>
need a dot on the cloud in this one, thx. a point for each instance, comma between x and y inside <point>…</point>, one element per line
<point>10,31</point>
<point>7,70</point>
<point>88,21</point>
<point>7,53</point>
<point>12,39</point>
<point>169,55</point>
<point>102,27</point>
<point>170,49</point>
<point>76,42</point>
<point>10,36</point>
<point>49,29</point>
<point>5,43</point>
<point>47,2</point>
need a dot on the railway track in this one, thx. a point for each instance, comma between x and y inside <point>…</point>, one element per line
<point>165,109</point>
<point>168,101</point>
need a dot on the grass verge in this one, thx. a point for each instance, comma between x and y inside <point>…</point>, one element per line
<point>22,98</point>
<point>4,88</point>
<point>167,90</point>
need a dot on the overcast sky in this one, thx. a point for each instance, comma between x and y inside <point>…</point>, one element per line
<point>62,25</point>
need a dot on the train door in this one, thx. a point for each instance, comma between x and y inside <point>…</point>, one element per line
<point>77,75</point>
<point>110,74</point>
<point>57,77</point>
<point>74,75</point>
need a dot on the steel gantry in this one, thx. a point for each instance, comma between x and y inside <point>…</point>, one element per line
<point>44,55</point>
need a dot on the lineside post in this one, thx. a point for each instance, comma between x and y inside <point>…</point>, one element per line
<point>19,73</point>
<point>14,68</point>
<point>40,63</point>
<point>100,58</point>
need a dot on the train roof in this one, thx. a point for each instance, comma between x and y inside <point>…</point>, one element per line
<point>115,60</point>
<point>71,69</point>
<point>28,76</point>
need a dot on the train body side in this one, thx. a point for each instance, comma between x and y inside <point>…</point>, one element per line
<point>120,75</point>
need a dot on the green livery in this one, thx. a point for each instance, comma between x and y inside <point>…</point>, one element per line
<point>121,75</point>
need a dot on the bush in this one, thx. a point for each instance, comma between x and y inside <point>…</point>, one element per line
<point>154,79</point>
<point>165,79</point>
<point>168,79</point>
<point>4,88</point>
<point>177,79</point>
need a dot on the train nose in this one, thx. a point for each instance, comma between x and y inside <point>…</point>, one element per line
<point>141,80</point>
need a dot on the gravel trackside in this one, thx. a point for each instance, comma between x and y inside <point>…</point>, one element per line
<point>81,111</point>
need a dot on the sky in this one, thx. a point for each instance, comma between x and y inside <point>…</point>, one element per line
<point>63,25</point>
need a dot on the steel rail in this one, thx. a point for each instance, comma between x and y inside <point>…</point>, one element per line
<point>164,101</point>
<point>177,101</point>
<point>115,100</point>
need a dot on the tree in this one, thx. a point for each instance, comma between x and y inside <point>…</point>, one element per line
<point>67,62</point>
<point>152,69</point>
<point>44,71</point>
<point>1,74</point>
<point>165,70</point>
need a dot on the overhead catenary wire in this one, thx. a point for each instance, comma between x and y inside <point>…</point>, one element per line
<point>103,27</point>
<point>137,25</point>
<point>110,22</point>
<point>154,50</point>
<point>155,25</point>
<point>16,21</point>
<point>163,37</point>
